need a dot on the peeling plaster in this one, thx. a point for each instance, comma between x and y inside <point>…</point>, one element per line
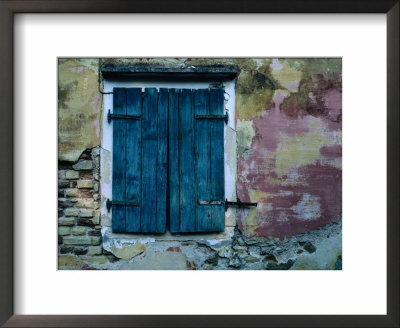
<point>291,148</point>
<point>287,75</point>
<point>308,208</point>
<point>79,108</point>
<point>245,135</point>
<point>284,155</point>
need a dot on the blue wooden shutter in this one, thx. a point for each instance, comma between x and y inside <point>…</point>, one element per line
<point>196,149</point>
<point>217,185</point>
<point>139,161</point>
<point>173,165</point>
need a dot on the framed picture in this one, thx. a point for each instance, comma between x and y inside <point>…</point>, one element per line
<point>178,151</point>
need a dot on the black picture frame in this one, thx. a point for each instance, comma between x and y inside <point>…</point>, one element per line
<point>7,198</point>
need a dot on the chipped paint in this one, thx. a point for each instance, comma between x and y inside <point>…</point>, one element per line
<point>79,107</point>
<point>230,170</point>
<point>127,251</point>
<point>253,105</point>
<point>308,208</point>
<point>245,135</point>
<point>291,150</point>
<point>283,149</point>
<point>298,150</point>
<point>286,74</point>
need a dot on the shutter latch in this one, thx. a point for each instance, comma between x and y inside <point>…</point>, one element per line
<point>227,203</point>
<point>239,204</point>
<point>110,203</point>
<point>111,116</point>
<point>224,117</point>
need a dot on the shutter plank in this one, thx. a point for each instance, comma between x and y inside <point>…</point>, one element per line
<point>149,164</point>
<point>173,161</point>
<point>162,160</point>
<point>186,162</point>
<point>217,159</point>
<point>119,160</point>
<point>133,159</point>
<point>203,163</point>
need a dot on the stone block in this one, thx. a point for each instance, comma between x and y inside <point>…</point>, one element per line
<point>86,203</point>
<point>63,221</point>
<point>78,240</point>
<point>63,184</point>
<point>71,212</point>
<point>96,240</point>
<point>87,184</point>
<point>94,233</point>
<point>95,260</point>
<point>86,213</point>
<point>96,196</point>
<point>88,222</point>
<point>251,259</point>
<point>86,193</point>
<point>95,250</point>
<point>69,261</point>
<point>72,192</point>
<point>66,202</point>
<point>97,161</point>
<point>96,218</point>
<point>79,231</point>
<point>96,187</point>
<point>80,250</point>
<point>70,175</point>
<point>61,174</point>
<point>83,165</point>
<point>66,249</point>
<point>128,251</point>
<point>64,231</point>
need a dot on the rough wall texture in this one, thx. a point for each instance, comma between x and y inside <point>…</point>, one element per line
<point>289,114</point>
<point>79,230</point>
<point>288,128</point>
<point>79,107</point>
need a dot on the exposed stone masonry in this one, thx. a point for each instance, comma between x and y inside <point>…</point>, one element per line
<point>79,229</point>
<point>288,145</point>
<point>81,238</point>
<point>84,242</point>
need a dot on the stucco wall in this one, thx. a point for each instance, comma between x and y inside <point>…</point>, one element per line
<point>288,137</point>
<point>289,129</point>
<point>79,107</point>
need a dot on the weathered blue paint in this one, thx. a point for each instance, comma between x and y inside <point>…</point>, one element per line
<point>149,167</point>
<point>196,160</point>
<point>119,161</point>
<point>173,161</point>
<point>186,162</point>
<point>133,159</point>
<point>217,159</point>
<point>162,160</point>
<point>203,163</point>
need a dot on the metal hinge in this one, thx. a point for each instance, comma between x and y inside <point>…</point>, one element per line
<point>213,117</point>
<point>226,203</point>
<point>110,203</point>
<point>111,116</point>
